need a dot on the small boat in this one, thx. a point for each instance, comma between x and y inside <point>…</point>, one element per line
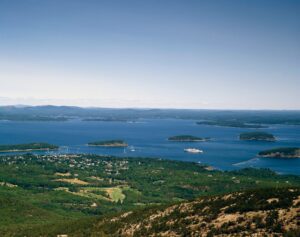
<point>131,148</point>
<point>193,150</point>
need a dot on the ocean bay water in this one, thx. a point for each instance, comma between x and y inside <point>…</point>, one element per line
<point>148,138</point>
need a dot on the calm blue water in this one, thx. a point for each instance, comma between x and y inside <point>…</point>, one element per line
<point>149,139</point>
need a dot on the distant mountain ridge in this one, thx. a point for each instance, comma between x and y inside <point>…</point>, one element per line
<point>51,112</point>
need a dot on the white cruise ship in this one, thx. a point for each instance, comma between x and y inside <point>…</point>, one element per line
<point>193,150</point>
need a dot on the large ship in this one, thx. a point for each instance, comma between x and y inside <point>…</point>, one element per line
<point>193,150</point>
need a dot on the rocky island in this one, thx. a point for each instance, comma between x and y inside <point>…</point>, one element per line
<point>109,143</point>
<point>187,138</point>
<point>282,152</point>
<point>37,146</point>
<point>257,136</point>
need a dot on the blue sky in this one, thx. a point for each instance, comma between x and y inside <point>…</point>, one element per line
<point>172,54</point>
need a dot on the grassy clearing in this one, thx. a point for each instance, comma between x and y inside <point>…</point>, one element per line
<point>115,194</point>
<point>111,194</point>
<point>73,181</point>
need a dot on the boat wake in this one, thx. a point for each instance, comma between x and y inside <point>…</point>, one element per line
<point>247,162</point>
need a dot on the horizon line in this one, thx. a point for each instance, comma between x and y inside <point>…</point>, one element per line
<point>144,108</point>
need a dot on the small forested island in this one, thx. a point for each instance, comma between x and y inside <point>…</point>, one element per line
<point>257,136</point>
<point>109,143</point>
<point>229,123</point>
<point>37,146</point>
<point>187,138</point>
<point>104,120</point>
<point>282,152</point>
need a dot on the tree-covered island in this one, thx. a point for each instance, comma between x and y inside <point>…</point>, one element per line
<point>257,136</point>
<point>109,143</point>
<point>36,146</point>
<point>282,152</point>
<point>187,138</point>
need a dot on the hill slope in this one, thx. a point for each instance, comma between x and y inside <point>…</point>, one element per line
<point>48,195</point>
<point>265,212</point>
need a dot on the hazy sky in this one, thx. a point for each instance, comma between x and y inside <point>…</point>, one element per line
<point>151,53</point>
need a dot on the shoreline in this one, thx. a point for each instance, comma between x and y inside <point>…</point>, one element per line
<point>22,150</point>
<point>188,161</point>
<point>280,157</point>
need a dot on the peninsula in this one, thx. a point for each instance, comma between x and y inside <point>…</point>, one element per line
<point>257,136</point>
<point>109,143</point>
<point>37,146</point>
<point>187,138</point>
<point>84,187</point>
<point>282,152</point>
<point>230,123</point>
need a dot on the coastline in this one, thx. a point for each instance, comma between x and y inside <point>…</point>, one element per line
<point>22,150</point>
<point>276,156</point>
